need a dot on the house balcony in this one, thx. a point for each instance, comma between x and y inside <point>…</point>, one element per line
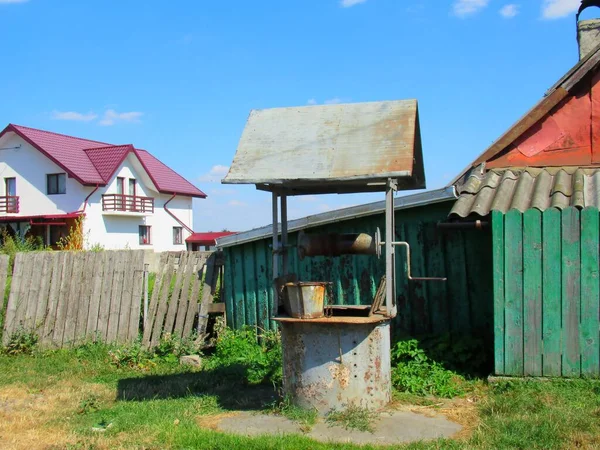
<point>9,204</point>
<point>127,205</point>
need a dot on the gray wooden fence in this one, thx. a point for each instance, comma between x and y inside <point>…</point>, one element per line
<point>68,298</point>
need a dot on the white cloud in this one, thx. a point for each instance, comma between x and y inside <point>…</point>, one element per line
<point>555,9</point>
<point>509,11</point>
<point>464,8</point>
<point>6,2</point>
<point>72,115</point>
<point>215,175</point>
<point>111,117</point>
<point>350,3</point>
<point>333,101</point>
<point>311,101</point>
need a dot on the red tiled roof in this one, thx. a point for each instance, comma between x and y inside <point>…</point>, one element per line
<point>208,238</point>
<point>94,163</point>
<point>107,160</point>
<point>165,178</point>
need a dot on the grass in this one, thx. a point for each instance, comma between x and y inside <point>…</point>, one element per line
<point>353,417</point>
<point>81,399</point>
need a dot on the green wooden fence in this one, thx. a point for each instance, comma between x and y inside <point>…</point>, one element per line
<point>547,292</point>
<point>462,305</point>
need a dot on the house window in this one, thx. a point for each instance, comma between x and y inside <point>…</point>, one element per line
<point>145,235</point>
<point>120,200</point>
<point>56,183</point>
<point>10,185</point>
<point>132,186</point>
<point>177,235</point>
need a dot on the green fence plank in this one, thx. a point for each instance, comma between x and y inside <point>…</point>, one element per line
<point>263,285</point>
<point>590,292</point>
<point>421,322</point>
<point>513,276</point>
<point>532,292</point>
<point>228,277</point>
<point>571,292</point>
<point>250,285</point>
<point>551,301</point>
<point>436,291</point>
<point>458,293</point>
<point>239,313</point>
<point>498,269</point>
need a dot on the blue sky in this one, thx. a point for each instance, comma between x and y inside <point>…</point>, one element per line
<point>179,78</point>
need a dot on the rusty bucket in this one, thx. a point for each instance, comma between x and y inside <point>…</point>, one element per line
<point>305,300</point>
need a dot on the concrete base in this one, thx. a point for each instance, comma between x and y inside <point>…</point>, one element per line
<point>391,428</point>
<point>330,365</point>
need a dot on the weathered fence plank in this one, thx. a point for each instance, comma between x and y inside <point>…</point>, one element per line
<point>68,298</point>
<point>137,292</point>
<point>532,292</point>
<point>571,292</point>
<point>513,274</point>
<point>185,294</point>
<point>153,307</point>
<point>208,292</point>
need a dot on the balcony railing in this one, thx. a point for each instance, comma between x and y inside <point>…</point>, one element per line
<point>127,203</point>
<point>9,204</point>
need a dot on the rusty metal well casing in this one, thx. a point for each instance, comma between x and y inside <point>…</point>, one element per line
<point>335,244</point>
<point>330,366</point>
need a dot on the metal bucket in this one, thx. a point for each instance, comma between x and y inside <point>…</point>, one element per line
<point>305,300</point>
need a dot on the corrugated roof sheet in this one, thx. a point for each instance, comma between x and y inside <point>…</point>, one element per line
<point>354,212</point>
<point>331,148</point>
<point>107,160</point>
<point>522,189</point>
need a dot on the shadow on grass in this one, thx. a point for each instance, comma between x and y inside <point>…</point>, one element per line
<point>224,383</point>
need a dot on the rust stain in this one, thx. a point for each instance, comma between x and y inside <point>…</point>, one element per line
<point>341,374</point>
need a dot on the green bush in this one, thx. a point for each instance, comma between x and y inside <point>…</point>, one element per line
<point>256,358</point>
<point>414,372</point>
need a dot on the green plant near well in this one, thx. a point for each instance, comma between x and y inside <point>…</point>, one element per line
<point>307,418</point>
<point>353,417</point>
<point>247,354</point>
<point>416,373</point>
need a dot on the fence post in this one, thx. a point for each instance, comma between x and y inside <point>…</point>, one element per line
<point>146,287</point>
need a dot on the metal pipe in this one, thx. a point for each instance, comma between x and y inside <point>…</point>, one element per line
<point>408,272</point>
<point>390,260</point>
<point>168,211</point>
<point>335,244</point>
<point>275,257</point>
<point>477,225</point>
<point>284,234</point>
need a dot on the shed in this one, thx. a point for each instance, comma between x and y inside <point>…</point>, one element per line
<point>540,186</point>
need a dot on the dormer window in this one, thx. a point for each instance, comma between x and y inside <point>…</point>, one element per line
<point>56,183</point>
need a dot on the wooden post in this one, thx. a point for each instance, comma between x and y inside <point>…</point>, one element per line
<point>146,288</point>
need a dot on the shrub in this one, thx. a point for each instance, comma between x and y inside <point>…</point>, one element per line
<point>256,358</point>
<point>414,372</point>
<point>21,342</point>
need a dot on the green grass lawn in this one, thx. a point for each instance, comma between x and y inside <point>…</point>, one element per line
<point>80,399</point>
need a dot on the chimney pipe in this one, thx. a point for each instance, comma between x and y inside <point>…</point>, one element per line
<point>588,31</point>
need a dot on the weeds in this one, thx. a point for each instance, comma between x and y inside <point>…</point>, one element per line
<point>89,404</point>
<point>414,372</point>
<point>21,342</point>
<point>307,418</point>
<point>253,357</point>
<point>353,417</point>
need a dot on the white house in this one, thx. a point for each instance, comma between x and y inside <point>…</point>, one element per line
<point>125,196</point>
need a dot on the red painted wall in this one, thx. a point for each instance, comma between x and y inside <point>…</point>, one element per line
<point>567,136</point>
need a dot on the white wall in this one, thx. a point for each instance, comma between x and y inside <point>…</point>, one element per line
<point>30,168</point>
<point>120,230</point>
<point>117,231</point>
